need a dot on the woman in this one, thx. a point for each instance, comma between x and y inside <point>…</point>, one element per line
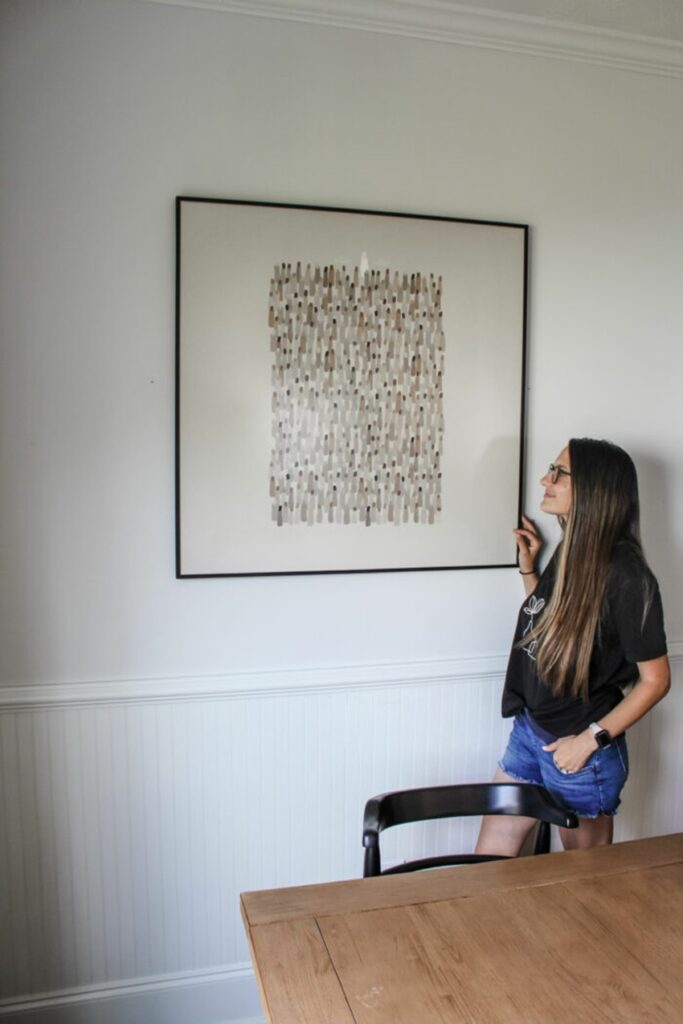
<point>590,625</point>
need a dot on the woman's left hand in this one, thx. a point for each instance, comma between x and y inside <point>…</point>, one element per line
<point>570,753</point>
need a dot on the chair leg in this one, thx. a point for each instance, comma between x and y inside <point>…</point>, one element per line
<point>542,844</point>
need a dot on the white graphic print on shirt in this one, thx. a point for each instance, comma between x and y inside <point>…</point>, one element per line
<point>532,609</point>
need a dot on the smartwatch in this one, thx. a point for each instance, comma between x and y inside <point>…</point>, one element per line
<point>602,737</point>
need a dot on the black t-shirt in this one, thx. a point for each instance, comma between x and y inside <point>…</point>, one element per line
<point>631,630</point>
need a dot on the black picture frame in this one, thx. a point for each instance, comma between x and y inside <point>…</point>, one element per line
<point>257,284</point>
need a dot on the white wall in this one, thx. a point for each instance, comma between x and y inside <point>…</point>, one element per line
<point>110,109</point>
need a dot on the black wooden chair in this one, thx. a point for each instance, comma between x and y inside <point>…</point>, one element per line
<point>433,802</point>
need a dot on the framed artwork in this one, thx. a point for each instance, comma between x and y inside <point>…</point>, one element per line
<point>349,389</point>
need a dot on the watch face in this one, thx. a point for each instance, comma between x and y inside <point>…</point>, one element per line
<point>603,738</point>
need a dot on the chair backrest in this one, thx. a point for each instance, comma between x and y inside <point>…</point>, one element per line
<point>434,802</point>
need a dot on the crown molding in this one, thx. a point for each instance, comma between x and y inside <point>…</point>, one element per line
<point>458,24</point>
<point>269,683</point>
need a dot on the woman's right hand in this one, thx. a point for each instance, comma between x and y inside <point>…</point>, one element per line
<point>529,544</point>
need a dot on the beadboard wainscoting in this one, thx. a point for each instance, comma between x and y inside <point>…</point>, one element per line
<point>134,813</point>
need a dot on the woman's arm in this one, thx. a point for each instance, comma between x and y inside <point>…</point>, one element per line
<point>654,683</point>
<point>572,752</point>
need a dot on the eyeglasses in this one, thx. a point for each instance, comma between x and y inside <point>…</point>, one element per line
<point>556,471</point>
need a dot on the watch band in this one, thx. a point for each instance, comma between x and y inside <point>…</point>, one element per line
<point>602,737</point>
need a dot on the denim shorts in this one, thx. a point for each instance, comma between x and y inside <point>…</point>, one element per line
<point>590,792</point>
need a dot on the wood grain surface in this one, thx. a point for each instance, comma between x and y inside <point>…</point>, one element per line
<point>300,983</point>
<point>581,936</point>
<point>643,910</point>
<point>493,959</point>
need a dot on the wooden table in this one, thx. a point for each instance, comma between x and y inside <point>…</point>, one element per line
<point>590,935</point>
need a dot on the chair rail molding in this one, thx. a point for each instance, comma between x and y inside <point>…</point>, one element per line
<point>238,685</point>
<point>458,24</point>
<point>266,683</point>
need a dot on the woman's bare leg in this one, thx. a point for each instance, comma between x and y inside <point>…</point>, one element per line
<point>591,832</point>
<point>503,834</point>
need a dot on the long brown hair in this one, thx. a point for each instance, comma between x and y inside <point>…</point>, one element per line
<point>604,512</point>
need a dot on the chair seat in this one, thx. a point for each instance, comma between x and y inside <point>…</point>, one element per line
<point>442,862</point>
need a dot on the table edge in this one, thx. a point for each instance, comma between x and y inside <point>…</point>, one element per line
<point>268,906</point>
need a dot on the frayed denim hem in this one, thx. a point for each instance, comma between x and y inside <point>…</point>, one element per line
<point>518,778</point>
<point>593,817</point>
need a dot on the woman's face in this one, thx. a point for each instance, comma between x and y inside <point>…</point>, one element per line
<point>557,499</point>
